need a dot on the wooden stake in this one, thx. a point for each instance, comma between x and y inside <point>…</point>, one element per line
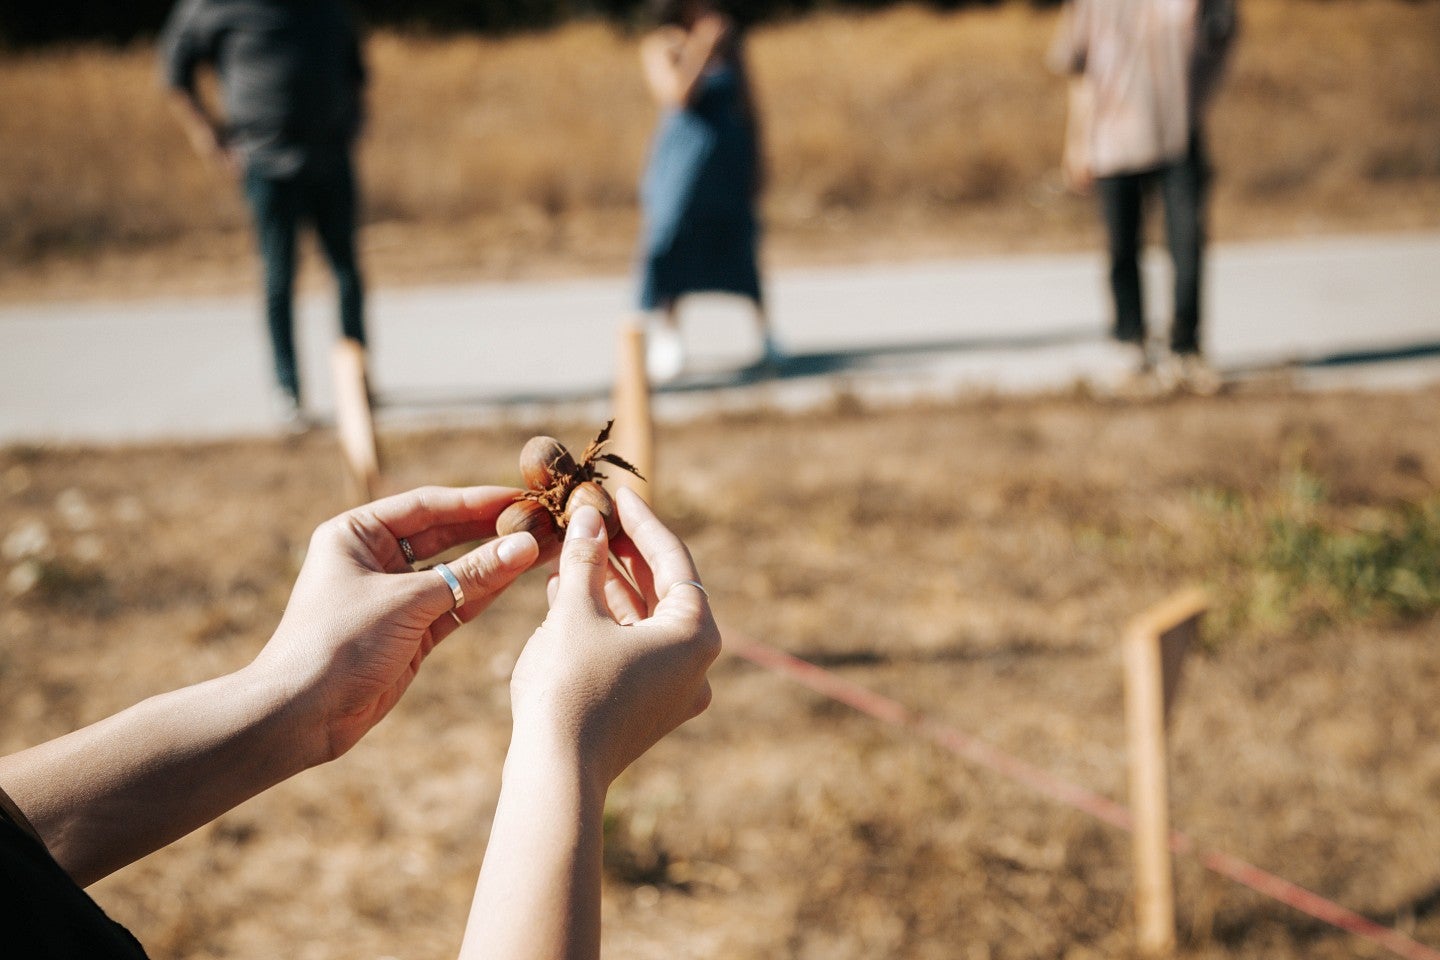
<point>1154,652</point>
<point>634,434</point>
<point>354,423</point>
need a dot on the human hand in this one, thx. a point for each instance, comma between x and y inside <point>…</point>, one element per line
<point>212,142</point>
<point>1076,172</point>
<point>1076,169</point>
<point>611,671</point>
<point>227,157</point>
<point>360,620</point>
<point>710,31</point>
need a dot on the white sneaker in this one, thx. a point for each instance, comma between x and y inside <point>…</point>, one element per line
<point>1198,376</point>
<point>664,353</point>
<point>288,413</point>
<point>1169,374</point>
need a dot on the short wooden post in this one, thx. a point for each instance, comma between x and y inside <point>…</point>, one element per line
<point>1154,653</point>
<point>354,423</point>
<point>634,434</point>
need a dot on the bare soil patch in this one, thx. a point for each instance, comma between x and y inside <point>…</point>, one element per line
<point>974,560</point>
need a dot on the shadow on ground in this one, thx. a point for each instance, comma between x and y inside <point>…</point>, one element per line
<point>1346,358</point>
<point>897,359</point>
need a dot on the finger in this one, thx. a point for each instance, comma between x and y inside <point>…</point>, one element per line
<point>668,559</point>
<point>483,574</point>
<point>635,566</point>
<point>584,558</point>
<point>457,513</point>
<point>435,541</point>
<point>625,605</point>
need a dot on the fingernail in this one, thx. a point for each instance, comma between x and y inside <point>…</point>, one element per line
<point>585,525</point>
<point>625,493</point>
<point>512,547</point>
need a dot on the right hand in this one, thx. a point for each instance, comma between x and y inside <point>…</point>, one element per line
<point>609,673</point>
<point>211,142</point>
<point>227,158</point>
<point>361,621</point>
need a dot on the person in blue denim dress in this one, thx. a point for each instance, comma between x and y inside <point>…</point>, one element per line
<point>703,177</point>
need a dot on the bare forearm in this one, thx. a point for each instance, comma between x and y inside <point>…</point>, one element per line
<point>1076,164</point>
<point>538,895</point>
<point>1079,116</point>
<point>674,71</point>
<point>690,66</point>
<point>107,795</point>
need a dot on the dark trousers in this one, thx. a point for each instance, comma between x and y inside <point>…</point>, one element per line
<point>1183,186</point>
<point>324,194</point>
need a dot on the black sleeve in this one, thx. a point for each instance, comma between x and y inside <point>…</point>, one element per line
<point>185,45</point>
<point>44,915</point>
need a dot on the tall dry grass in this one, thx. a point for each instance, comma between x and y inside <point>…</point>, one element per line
<point>940,117</point>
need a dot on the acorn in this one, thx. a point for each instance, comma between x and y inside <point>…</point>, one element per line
<point>557,485</point>
<point>590,493</point>
<point>545,463</point>
<point>530,517</point>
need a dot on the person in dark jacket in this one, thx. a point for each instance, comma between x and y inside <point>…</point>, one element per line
<point>292,83</point>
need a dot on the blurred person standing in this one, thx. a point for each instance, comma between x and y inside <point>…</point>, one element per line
<point>1143,75</point>
<point>292,83</point>
<point>703,178</point>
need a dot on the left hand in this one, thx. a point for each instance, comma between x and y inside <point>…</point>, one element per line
<point>610,672</point>
<point>360,620</point>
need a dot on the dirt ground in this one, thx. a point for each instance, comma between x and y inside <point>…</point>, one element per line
<point>974,560</point>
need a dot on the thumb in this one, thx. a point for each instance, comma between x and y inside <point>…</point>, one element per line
<point>583,560</point>
<point>483,574</point>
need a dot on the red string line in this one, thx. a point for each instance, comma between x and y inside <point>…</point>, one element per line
<point>1072,795</point>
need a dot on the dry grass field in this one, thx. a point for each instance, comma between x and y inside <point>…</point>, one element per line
<point>974,560</point>
<point>901,134</point>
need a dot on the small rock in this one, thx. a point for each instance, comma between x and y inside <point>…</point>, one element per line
<point>23,578</point>
<point>28,538</point>
<point>74,508</point>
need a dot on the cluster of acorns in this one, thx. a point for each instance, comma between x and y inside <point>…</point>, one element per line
<point>558,486</point>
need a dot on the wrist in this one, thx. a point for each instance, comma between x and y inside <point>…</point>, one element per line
<point>554,759</point>
<point>276,713</point>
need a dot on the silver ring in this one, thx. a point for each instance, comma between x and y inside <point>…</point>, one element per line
<point>407,550</point>
<point>452,583</point>
<point>691,583</point>
<point>456,617</point>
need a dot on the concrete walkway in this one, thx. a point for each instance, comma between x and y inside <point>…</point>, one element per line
<point>1333,312</point>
